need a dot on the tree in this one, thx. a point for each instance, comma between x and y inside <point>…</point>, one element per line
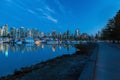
<point>117,26</point>
<point>108,31</point>
<point>112,29</point>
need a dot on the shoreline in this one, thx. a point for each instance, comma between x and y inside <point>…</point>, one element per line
<point>66,67</point>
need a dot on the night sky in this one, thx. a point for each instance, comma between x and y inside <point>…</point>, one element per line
<point>60,15</point>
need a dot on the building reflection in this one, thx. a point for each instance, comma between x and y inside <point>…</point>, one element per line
<point>67,47</point>
<point>5,48</point>
<point>42,45</point>
<point>60,47</point>
<point>53,48</point>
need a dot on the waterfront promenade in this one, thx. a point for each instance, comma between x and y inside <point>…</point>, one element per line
<point>108,62</point>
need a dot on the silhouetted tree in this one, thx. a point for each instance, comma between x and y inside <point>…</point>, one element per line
<point>117,26</point>
<point>107,32</point>
<point>112,29</point>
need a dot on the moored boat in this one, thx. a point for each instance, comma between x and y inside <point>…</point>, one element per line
<point>53,42</point>
<point>28,40</point>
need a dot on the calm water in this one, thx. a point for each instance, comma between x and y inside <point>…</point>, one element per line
<point>16,56</point>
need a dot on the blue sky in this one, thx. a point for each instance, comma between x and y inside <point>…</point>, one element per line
<point>60,15</point>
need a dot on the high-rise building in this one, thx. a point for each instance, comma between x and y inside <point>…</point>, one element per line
<point>42,34</point>
<point>68,34</point>
<point>77,33</point>
<point>49,35</point>
<point>35,33</point>
<point>1,32</point>
<point>12,32</point>
<point>5,30</point>
<point>22,32</point>
<point>59,35</point>
<point>54,34</point>
<point>29,33</point>
<point>17,33</point>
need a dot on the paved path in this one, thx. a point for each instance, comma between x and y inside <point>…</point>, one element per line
<point>108,62</point>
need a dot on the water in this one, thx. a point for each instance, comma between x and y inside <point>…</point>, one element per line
<point>14,57</point>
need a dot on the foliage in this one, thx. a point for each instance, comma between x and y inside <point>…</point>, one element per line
<point>112,29</point>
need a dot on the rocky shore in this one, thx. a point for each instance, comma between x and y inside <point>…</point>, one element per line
<point>66,67</point>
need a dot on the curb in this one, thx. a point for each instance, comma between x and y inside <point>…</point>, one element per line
<point>89,70</point>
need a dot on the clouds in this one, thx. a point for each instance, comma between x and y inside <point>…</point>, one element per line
<point>8,0</point>
<point>58,12</point>
<point>45,12</point>
<point>60,6</point>
<point>31,11</point>
<point>39,8</point>
<point>49,9</point>
<point>37,12</point>
<point>51,18</point>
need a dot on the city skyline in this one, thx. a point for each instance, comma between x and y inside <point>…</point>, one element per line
<point>88,16</point>
<point>5,30</point>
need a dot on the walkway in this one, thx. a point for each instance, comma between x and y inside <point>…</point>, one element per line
<point>108,62</point>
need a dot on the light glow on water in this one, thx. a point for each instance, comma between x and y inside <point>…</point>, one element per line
<point>24,55</point>
<point>6,53</point>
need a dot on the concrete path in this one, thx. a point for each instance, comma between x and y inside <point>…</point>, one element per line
<point>108,62</point>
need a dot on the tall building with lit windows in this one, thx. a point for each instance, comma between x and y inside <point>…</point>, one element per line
<point>4,30</point>
<point>60,35</point>
<point>77,33</point>
<point>35,32</point>
<point>22,32</point>
<point>12,32</point>
<point>29,33</point>
<point>1,32</point>
<point>42,34</point>
<point>54,34</point>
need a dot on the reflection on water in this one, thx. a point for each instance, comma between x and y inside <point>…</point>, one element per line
<point>13,56</point>
<point>4,49</point>
<point>29,47</point>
